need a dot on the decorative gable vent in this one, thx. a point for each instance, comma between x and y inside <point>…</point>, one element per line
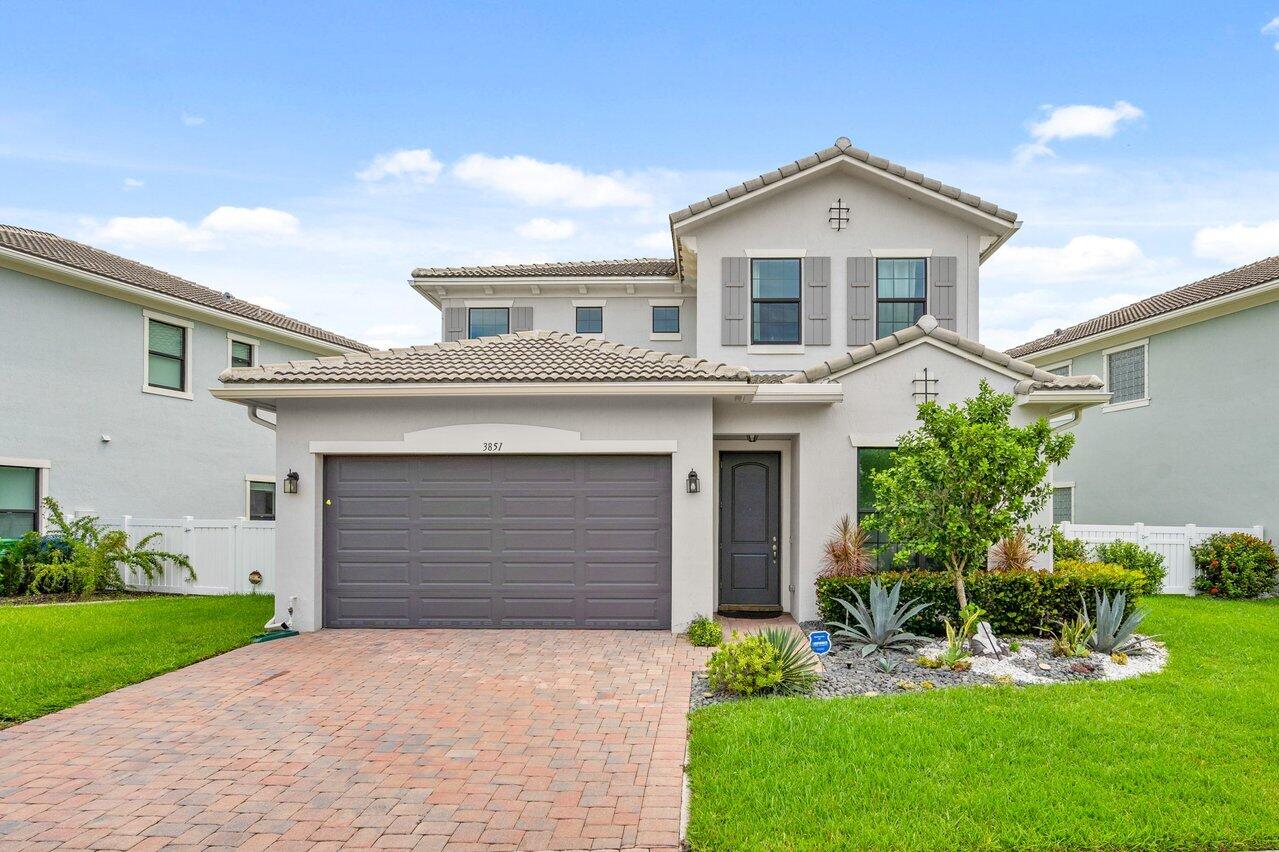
<point>925,383</point>
<point>839,215</point>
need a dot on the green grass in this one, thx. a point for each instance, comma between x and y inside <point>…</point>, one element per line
<point>1187,759</point>
<point>52,657</point>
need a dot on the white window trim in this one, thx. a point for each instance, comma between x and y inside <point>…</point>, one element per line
<point>1144,343</point>
<point>780,253</point>
<point>42,483</point>
<point>232,337</point>
<point>188,351</point>
<point>902,253</point>
<point>589,303</point>
<point>775,349</point>
<point>249,479</point>
<point>1071,485</point>
<point>1069,364</point>
<point>669,336</point>
<point>489,303</point>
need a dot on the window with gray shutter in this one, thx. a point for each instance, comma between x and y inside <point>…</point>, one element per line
<point>942,274</point>
<point>522,318</point>
<point>1063,504</point>
<point>861,300</point>
<point>1126,374</point>
<point>734,272</point>
<point>817,301</point>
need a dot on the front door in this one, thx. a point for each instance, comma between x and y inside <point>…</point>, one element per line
<point>750,575</point>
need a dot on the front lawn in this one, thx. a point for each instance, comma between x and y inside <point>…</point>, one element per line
<point>1187,759</point>
<point>52,657</point>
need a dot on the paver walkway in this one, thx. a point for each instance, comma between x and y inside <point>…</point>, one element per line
<point>423,739</point>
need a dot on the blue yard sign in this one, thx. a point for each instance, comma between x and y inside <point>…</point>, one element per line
<point>819,641</point>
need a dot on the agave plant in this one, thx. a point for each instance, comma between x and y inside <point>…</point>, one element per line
<point>846,553</point>
<point>1112,633</point>
<point>880,626</point>
<point>798,664</point>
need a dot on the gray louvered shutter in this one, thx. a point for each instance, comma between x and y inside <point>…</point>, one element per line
<point>817,301</point>
<point>454,323</point>
<point>522,319</point>
<point>736,271</point>
<point>861,300</point>
<point>942,273</point>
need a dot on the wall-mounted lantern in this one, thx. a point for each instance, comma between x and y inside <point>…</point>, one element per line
<point>291,482</point>
<point>694,484</point>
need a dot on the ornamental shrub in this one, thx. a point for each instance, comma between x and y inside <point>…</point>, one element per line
<point>1133,557</point>
<point>1234,565</point>
<point>19,559</point>
<point>705,632</point>
<point>1068,549</point>
<point>1017,603</point>
<point>745,666</point>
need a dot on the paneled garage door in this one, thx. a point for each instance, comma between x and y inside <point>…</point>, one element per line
<point>497,541</point>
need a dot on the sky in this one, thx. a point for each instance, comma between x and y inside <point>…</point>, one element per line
<point>307,156</point>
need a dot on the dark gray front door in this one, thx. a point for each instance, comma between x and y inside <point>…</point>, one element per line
<point>749,530</point>
<point>497,541</point>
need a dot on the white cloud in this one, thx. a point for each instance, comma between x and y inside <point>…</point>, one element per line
<point>262,221</point>
<point>416,165</point>
<point>1074,122</point>
<point>191,120</point>
<point>1085,257</point>
<point>165,231</point>
<point>1238,243</point>
<point>536,182</point>
<point>547,229</point>
<point>271,303</point>
<point>655,241</point>
<point>1272,28</point>
<point>1017,318</point>
<point>133,183</point>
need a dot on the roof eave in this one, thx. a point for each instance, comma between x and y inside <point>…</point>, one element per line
<point>249,392</point>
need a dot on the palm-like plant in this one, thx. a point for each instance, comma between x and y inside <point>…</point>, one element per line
<point>1112,633</point>
<point>798,665</point>
<point>880,626</point>
<point>845,553</point>
<point>1013,553</point>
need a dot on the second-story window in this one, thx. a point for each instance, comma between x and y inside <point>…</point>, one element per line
<point>590,320</point>
<point>666,319</point>
<point>900,289</point>
<point>241,353</point>
<point>775,289</point>
<point>486,322</point>
<point>166,356</point>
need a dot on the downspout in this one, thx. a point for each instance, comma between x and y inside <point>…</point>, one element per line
<point>258,418</point>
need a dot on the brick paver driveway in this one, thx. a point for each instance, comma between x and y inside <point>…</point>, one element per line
<point>421,739</point>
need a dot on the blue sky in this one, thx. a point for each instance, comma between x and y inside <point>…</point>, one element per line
<point>281,152</point>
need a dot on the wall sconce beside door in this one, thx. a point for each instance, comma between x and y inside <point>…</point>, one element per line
<point>694,484</point>
<point>291,482</point>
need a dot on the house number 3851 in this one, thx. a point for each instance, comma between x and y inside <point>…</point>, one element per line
<point>492,446</point>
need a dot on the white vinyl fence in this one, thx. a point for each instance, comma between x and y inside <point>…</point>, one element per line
<point>1173,542</point>
<point>223,553</point>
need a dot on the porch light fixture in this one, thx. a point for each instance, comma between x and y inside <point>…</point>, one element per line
<point>694,484</point>
<point>291,482</point>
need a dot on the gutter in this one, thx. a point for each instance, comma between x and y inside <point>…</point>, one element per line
<point>999,241</point>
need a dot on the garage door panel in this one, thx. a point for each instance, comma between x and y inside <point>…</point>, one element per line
<point>498,541</point>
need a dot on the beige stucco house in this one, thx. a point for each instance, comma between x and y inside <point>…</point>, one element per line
<point>626,444</point>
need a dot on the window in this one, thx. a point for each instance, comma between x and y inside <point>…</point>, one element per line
<point>1126,374</point>
<point>486,322</point>
<point>869,461</point>
<point>1063,504</point>
<point>666,319</point>
<point>262,499</point>
<point>899,290</point>
<point>775,300</point>
<point>166,356</point>
<point>1060,369</point>
<point>241,353</point>
<point>590,320</point>
<point>19,501</point>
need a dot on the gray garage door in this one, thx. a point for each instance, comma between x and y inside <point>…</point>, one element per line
<point>497,541</point>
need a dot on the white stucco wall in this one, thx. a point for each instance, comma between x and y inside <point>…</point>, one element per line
<point>74,372</point>
<point>795,217</point>
<point>684,420</point>
<point>878,406</point>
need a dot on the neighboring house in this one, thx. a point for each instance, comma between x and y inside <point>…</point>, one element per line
<point>1189,435</point>
<point>105,402</point>
<point>527,473</point>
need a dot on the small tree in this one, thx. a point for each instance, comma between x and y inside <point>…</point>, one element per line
<point>963,480</point>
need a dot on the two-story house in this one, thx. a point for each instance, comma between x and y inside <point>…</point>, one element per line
<point>105,403</point>
<point>628,443</point>
<point>1188,436</point>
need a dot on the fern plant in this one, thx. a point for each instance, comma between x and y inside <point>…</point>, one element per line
<point>879,626</point>
<point>103,551</point>
<point>1112,633</point>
